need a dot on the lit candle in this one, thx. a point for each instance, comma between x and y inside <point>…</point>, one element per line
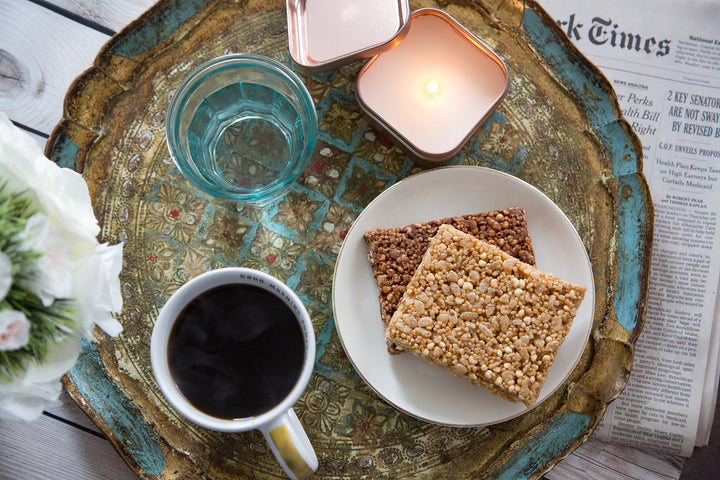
<point>435,88</point>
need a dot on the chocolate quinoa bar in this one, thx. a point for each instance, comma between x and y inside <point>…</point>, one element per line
<point>394,253</point>
<point>484,315</point>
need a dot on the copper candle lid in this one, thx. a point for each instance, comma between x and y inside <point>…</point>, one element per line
<point>324,34</point>
<point>435,88</point>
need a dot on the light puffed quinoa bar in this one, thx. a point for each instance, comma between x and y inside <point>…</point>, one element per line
<point>484,315</point>
<point>395,253</point>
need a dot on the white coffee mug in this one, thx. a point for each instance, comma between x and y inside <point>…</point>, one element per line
<point>280,426</point>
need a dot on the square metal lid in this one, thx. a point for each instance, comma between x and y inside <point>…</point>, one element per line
<point>324,34</point>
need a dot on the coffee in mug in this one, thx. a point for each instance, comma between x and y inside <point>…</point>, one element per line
<point>232,350</point>
<point>236,351</point>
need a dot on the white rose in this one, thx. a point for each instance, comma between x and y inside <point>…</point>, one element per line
<point>5,275</point>
<point>26,397</point>
<point>61,192</point>
<point>97,289</point>
<point>74,266</point>
<point>14,330</point>
<point>64,196</point>
<point>61,357</point>
<point>17,156</point>
<point>26,401</point>
<point>54,279</point>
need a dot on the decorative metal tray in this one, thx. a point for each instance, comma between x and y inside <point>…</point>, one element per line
<point>559,128</point>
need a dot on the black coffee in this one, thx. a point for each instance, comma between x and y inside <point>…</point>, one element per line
<point>236,351</point>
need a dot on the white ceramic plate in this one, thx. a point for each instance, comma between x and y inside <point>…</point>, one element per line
<point>408,382</point>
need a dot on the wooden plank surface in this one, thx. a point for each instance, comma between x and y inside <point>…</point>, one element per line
<point>603,460</point>
<point>41,53</point>
<point>51,449</point>
<point>66,410</point>
<point>111,14</point>
<point>43,47</point>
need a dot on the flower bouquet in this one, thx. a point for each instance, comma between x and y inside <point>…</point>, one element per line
<point>56,280</point>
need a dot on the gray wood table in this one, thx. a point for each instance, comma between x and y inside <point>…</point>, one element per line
<point>44,45</point>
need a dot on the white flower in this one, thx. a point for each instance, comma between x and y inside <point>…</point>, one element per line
<point>73,265</point>
<point>5,275</point>
<point>27,397</point>
<point>61,358</point>
<point>18,153</point>
<point>26,401</point>
<point>65,198</point>
<point>14,330</point>
<point>60,192</point>
<point>97,289</point>
<point>54,279</point>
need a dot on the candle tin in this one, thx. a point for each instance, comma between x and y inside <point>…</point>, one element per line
<point>435,88</point>
<point>430,83</point>
<point>325,34</point>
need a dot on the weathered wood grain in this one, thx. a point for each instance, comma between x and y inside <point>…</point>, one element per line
<point>66,409</point>
<point>48,448</point>
<point>601,460</point>
<point>112,14</point>
<point>41,53</point>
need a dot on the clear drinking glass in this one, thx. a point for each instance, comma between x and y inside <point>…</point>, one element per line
<point>242,127</point>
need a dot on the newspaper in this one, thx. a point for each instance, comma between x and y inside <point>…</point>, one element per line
<point>663,59</point>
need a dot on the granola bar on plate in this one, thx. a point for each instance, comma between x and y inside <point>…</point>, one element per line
<point>484,315</point>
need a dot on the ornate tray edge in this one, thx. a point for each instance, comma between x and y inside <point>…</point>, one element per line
<point>635,222</point>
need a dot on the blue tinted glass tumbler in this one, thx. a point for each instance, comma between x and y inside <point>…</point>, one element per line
<point>242,127</point>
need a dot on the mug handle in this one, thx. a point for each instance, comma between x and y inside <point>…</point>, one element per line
<point>291,445</point>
